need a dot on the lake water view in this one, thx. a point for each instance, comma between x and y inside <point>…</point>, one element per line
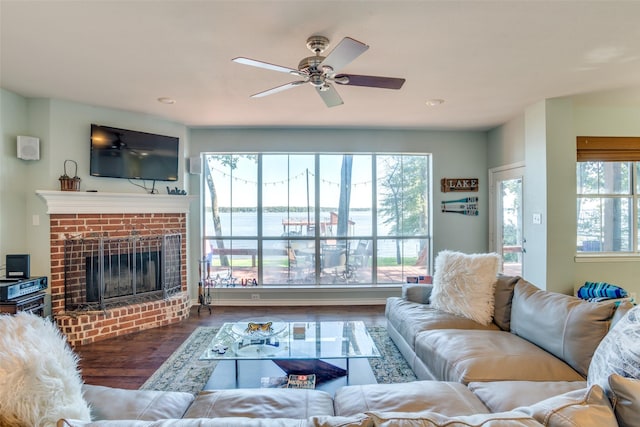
<point>289,261</point>
<point>245,225</point>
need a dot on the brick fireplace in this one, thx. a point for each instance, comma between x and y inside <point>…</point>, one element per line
<point>79,215</point>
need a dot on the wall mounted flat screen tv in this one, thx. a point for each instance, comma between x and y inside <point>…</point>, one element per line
<point>121,153</point>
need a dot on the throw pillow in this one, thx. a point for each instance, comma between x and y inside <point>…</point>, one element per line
<point>416,292</point>
<point>618,352</point>
<point>39,378</point>
<point>464,284</point>
<point>503,300</point>
<point>434,419</point>
<point>626,392</point>
<point>585,407</point>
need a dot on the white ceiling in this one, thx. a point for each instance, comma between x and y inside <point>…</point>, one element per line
<point>487,59</point>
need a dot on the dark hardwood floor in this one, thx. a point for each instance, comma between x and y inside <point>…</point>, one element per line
<point>128,361</point>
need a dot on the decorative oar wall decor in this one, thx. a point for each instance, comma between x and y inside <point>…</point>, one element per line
<point>463,206</point>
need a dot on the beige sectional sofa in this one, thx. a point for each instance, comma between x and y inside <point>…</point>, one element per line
<point>419,403</point>
<point>527,368</point>
<point>530,366</point>
<point>535,335</point>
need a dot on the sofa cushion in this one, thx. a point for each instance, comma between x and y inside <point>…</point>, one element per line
<point>619,351</point>
<point>621,310</point>
<point>586,407</point>
<point>193,422</point>
<point>501,396</point>
<point>261,403</point>
<point>361,420</point>
<point>626,393</point>
<point>109,403</point>
<point>503,295</point>
<point>39,377</point>
<point>464,284</point>
<point>415,292</point>
<point>564,325</point>
<point>443,397</point>
<point>433,419</point>
<point>476,355</point>
<point>410,318</point>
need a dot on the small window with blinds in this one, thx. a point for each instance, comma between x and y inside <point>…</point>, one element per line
<point>607,194</point>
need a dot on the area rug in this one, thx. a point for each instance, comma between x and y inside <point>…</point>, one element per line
<point>182,371</point>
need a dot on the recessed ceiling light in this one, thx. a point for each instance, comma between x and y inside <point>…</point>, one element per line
<point>434,102</point>
<point>166,100</point>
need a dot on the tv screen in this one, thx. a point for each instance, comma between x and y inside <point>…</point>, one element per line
<point>121,153</point>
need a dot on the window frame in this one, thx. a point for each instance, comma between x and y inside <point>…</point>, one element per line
<point>353,240</point>
<point>612,149</point>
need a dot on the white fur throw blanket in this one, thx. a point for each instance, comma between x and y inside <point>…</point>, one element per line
<point>39,377</point>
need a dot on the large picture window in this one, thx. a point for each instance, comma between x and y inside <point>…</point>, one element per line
<point>316,219</point>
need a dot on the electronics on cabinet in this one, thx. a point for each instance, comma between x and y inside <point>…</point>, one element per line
<point>12,289</point>
<point>17,266</point>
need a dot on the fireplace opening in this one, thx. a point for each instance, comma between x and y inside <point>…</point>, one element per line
<point>123,275</point>
<point>102,272</point>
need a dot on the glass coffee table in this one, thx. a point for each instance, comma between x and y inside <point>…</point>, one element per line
<point>254,352</point>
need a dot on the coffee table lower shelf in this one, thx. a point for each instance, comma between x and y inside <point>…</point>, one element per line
<point>331,374</point>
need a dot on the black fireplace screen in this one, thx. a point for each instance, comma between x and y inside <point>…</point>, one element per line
<point>106,272</point>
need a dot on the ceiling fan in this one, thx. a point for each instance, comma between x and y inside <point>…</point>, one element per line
<point>321,71</point>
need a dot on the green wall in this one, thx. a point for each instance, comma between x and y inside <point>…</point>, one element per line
<point>63,129</point>
<point>545,139</point>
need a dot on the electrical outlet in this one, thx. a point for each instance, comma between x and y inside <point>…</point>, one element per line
<point>255,296</point>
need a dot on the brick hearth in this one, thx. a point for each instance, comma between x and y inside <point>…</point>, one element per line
<point>90,326</point>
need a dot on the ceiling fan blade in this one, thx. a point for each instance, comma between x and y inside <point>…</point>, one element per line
<point>278,89</point>
<point>266,65</point>
<point>369,81</point>
<point>329,95</point>
<point>346,51</point>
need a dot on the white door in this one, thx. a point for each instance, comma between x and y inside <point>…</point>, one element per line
<point>506,226</point>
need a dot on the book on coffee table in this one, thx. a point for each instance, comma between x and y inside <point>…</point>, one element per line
<point>302,381</point>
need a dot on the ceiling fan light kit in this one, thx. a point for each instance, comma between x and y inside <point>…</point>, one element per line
<point>321,71</point>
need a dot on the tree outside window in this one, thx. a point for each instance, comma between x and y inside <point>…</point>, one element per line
<point>308,219</point>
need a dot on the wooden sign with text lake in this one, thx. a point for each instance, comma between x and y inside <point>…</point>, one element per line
<point>448,185</point>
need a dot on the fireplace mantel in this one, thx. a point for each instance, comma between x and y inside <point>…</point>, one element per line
<point>81,202</point>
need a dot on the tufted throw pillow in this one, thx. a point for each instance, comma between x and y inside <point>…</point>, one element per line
<point>464,284</point>
<point>618,352</point>
<point>39,377</point>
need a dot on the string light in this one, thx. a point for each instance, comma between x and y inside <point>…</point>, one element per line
<point>286,181</point>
